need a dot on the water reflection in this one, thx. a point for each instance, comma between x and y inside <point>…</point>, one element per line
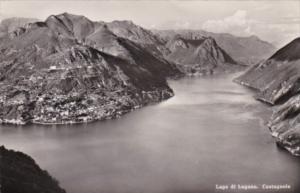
<point>210,133</point>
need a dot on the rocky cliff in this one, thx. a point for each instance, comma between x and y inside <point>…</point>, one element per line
<point>277,81</point>
<point>69,69</point>
<point>245,50</point>
<point>199,55</point>
<point>20,174</point>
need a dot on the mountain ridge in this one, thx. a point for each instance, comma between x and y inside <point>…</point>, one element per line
<point>105,69</point>
<point>199,55</point>
<point>277,81</point>
<point>245,50</point>
<point>51,75</point>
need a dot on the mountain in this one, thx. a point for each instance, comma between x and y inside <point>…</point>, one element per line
<point>69,69</point>
<point>11,24</point>
<point>139,35</point>
<point>245,50</point>
<point>109,38</point>
<point>276,78</point>
<point>199,55</point>
<point>201,58</point>
<point>20,174</point>
<point>277,81</point>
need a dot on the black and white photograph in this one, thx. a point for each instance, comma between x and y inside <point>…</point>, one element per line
<point>140,96</point>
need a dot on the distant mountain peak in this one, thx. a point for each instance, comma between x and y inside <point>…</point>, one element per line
<point>67,14</point>
<point>210,41</point>
<point>72,25</point>
<point>199,55</point>
<point>59,25</point>
<point>246,50</point>
<point>176,42</point>
<point>254,37</point>
<point>9,25</point>
<point>124,22</point>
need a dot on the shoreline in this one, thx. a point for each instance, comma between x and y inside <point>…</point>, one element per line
<point>115,114</point>
<point>278,140</point>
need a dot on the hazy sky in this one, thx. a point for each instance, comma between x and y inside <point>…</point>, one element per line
<point>276,21</point>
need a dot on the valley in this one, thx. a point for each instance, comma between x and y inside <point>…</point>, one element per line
<point>69,69</point>
<point>159,106</point>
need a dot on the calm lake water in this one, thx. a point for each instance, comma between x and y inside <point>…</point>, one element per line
<point>212,132</point>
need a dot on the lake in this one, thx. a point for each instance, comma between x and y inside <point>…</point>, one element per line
<point>210,133</point>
